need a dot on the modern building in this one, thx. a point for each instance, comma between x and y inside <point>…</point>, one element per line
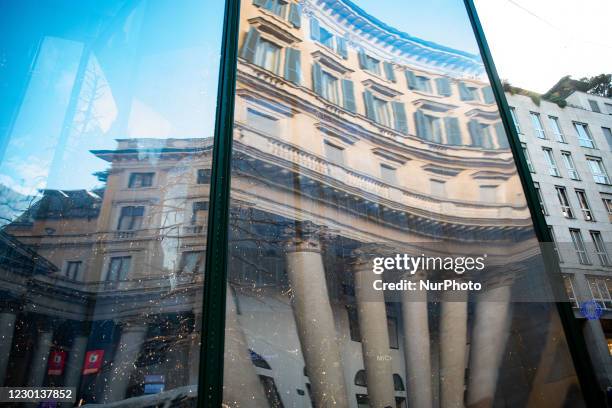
<point>568,152</point>
<point>351,140</point>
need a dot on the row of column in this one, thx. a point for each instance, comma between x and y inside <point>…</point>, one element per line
<point>321,349</point>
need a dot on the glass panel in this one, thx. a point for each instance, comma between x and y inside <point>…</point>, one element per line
<point>313,211</point>
<point>109,115</point>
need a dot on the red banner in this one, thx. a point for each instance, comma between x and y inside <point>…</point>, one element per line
<point>57,361</point>
<point>93,361</point>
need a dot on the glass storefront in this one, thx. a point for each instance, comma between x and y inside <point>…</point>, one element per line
<point>352,141</point>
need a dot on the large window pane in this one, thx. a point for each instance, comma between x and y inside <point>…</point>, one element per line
<point>106,147</point>
<point>313,205</point>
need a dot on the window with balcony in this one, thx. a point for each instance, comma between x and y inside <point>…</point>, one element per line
<point>584,205</point>
<point>556,129</point>
<point>73,269</point>
<point>329,86</point>
<point>598,170</point>
<point>566,208</point>
<point>553,170</point>
<point>267,56</point>
<point>600,291</point>
<point>140,180</point>
<point>118,268</point>
<point>579,247</point>
<point>600,248</point>
<point>130,218</point>
<point>515,119</point>
<point>585,139</point>
<point>538,128</point>
<point>570,166</point>
<point>527,158</point>
<point>540,198</point>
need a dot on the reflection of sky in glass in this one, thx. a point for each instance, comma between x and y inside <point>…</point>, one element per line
<point>141,80</point>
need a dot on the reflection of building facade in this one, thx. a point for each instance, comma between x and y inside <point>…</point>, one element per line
<point>350,138</point>
<point>568,152</point>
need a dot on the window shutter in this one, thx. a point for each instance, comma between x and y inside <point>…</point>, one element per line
<point>369,105</point>
<point>259,3</point>
<point>295,15</point>
<point>293,70</point>
<point>363,62</point>
<point>348,95</point>
<point>464,92</point>
<point>399,116</point>
<point>317,78</point>
<point>250,45</point>
<point>423,130</point>
<point>341,47</point>
<point>315,31</point>
<point>411,79</point>
<point>502,139</point>
<point>475,133</point>
<point>390,74</point>
<point>453,131</point>
<point>443,86</point>
<point>487,94</point>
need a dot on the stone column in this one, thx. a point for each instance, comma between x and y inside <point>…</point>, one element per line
<point>40,356</point>
<point>453,348</point>
<point>7,329</point>
<point>372,313</point>
<point>417,345</point>
<point>74,364</point>
<point>314,318</point>
<point>489,337</point>
<point>242,387</point>
<point>133,335</point>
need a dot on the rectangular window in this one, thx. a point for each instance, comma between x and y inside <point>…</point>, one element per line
<point>553,170</point>
<point>570,166</point>
<point>537,125</point>
<point>608,107</point>
<point>488,194</point>
<point>569,289</point>
<point>438,188</point>
<point>527,158</point>
<point>597,169</point>
<point>192,262</point>
<point>600,291</point>
<point>584,205</point>
<point>263,122</point>
<point>130,218</point>
<point>515,119</point>
<point>383,112</point>
<point>540,198</point>
<point>372,65</point>
<point>554,125</point>
<point>566,208</point>
<point>578,242</point>
<point>584,135</point>
<point>608,136</point>
<point>139,180</point>
<point>607,202</point>
<point>334,153</point>
<point>554,242</point>
<point>267,56</point>
<point>594,106</point>
<point>73,269</point>
<point>118,268</point>
<point>329,86</point>
<point>203,176</point>
<point>326,38</point>
<point>423,84</point>
<point>388,173</point>
<point>434,125</point>
<point>275,6</point>
<point>600,248</point>
<point>199,214</point>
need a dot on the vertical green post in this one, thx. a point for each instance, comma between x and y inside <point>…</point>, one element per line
<point>592,394</point>
<point>210,384</point>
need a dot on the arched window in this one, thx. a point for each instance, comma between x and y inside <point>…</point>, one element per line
<point>258,361</point>
<point>360,378</point>
<point>398,384</point>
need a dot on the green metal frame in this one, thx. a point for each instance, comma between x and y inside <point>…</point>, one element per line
<point>592,394</point>
<point>210,384</point>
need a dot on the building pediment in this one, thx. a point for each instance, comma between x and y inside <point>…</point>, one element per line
<point>380,88</point>
<point>483,114</point>
<point>434,106</point>
<point>443,171</point>
<point>270,28</point>
<point>389,155</point>
<point>331,62</point>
